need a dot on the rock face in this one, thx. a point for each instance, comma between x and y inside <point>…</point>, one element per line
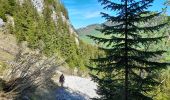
<point>8,46</point>
<point>8,43</point>
<point>1,22</point>
<point>39,5</point>
<point>10,20</point>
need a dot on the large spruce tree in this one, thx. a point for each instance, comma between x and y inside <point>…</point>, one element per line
<point>129,70</point>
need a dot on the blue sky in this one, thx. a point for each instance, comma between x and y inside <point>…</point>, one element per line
<point>86,12</point>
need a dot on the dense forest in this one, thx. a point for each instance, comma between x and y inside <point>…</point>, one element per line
<point>42,32</point>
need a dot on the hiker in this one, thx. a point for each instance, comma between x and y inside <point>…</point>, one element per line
<point>61,80</point>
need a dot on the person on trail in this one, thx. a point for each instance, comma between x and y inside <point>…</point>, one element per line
<point>61,80</point>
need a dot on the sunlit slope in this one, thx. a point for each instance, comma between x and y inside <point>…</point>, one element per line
<point>91,30</point>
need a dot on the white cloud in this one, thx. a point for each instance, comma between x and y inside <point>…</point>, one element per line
<point>91,14</point>
<point>84,14</point>
<point>74,12</point>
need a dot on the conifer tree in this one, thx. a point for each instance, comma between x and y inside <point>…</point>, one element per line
<point>128,71</point>
<point>167,2</point>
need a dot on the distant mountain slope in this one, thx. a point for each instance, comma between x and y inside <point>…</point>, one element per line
<point>90,30</point>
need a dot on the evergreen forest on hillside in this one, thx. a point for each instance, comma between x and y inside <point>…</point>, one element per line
<point>127,57</point>
<point>41,32</point>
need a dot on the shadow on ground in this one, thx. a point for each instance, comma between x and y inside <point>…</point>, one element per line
<point>63,93</point>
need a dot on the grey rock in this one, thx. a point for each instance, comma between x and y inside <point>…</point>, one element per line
<point>1,22</point>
